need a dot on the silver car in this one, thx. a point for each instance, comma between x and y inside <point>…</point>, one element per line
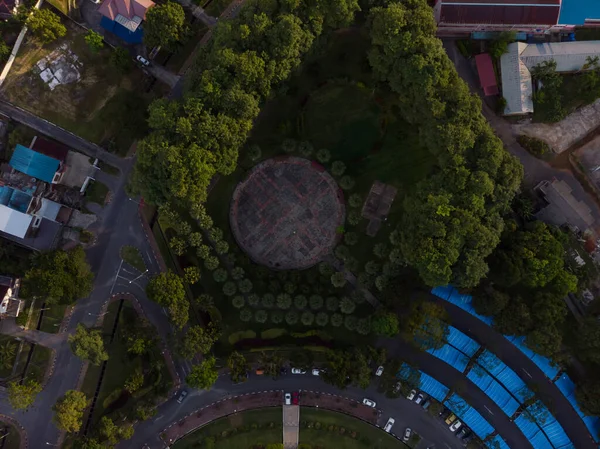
<point>369,403</point>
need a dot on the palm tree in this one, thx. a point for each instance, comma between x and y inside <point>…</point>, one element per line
<point>7,355</point>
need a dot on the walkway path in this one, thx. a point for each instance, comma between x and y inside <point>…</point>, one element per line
<point>349,276</point>
<point>9,327</point>
<point>162,74</point>
<point>291,426</point>
<point>62,135</point>
<point>526,369</point>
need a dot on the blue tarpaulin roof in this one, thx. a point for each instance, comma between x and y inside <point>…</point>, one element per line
<point>451,295</point>
<point>544,363</point>
<point>533,433</point>
<point>497,443</point>
<point>34,164</point>
<point>432,387</point>
<point>121,32</point>
<point>451,356</point>
<point>506,376</point>
<point>553,430</point>
<point>495,391</point>
<point>469,416</point>
<point>460,341</point>
<point>566,385</point>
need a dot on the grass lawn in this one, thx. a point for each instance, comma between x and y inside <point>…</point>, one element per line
<point>367,436</point>
<point>13,439</point>
<point>39,363</point>
<point>245,437</point>
<point>103,106</point>
<point>53,316</point>
<point>7,365</point>
<point>132,256</point>
<point>96,192</point>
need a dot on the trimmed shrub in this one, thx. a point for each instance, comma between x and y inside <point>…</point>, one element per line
<point>237,273</point>
<point>221,246</point>
<point>353,218</point>
<point>342,252</point>
<point>290,287</point>
<point>347,306</point>
<point>347,182</point>
<point>211,263</point>
<point>203,251</point>
<point>229,288</point>
<point>337,320</point>
<point>238,302</point>
<point>352,264</point>
<point>300,302</point>
<point>363,326</point>
<point>268,300</point>
<point>284,301</point>
<point>307,318</point>
<point>245,315</point>
<point>316,302</point>
<point>220,275</point>
<point>322,319</point>
<point>350,322</point>
<point>338,168</point>
<point>355,200</point>
<point>289,146</point>
<point>332,304</point>
<point>215,234</point>
<point>325,269</point>
<point>245,285</point>
<point>305,149</point>
<point>254,153</point>
<point>350,238</point>
<point>260,316</point>
<point>372,267</point>
<point>277,316</point>
<point>381,282</point>
<point>291,317</point>
<point>338,279</point>
<point>323,155</point>
<point>381,250</point>
<point>253,300</point>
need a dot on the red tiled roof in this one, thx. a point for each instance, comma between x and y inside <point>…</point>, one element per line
<point>535,12</point>
<point>487,77</point>
<point>50,148</point>
<point>127,8</point>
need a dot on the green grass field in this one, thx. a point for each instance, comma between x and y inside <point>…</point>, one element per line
<point>367,436</point>
<point>96,192</point>
<point>132,256</point>
<point>268,430</point>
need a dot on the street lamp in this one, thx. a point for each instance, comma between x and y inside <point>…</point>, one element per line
<point>97,314</point>
<point>50,444</point>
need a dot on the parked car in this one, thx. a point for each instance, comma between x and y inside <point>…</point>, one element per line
<point>455,426</point>
<point>142,60</point>
<point>388,425</point>
<point>463,432</point>
<point>407,434</point>
<point>420,398</point>
<point>369,403</point>
<point>316,372</point>
<point>288,399</point>
<point>411,395</point>
<point>182,396</point>
<point>295,397</point>
<point>426,404</point>
<point>444,413</point>
<point>450,419</point>
<point>298,371</point>
<point>397,387</point>
<point>379,371</point>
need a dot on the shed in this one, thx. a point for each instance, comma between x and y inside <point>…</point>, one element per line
<point>487,77</point>
<point>14,222</point>
<point>34,164</point>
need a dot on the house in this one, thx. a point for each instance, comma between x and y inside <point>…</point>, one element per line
<point>8,8</point>
<point>455,17</point>
<point>124,17</point>
<point>516,65</point>
<point>561,207</point>
<point>10,305</point>
<point>579,13</point>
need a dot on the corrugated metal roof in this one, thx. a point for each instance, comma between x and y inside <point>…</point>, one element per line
<point>516,81</point>
<point>498,12</point>
<point>34,164</point>
<point>569,56</point>
<point>576,12</point>
<point>487,77</point>
<point>14,222</point>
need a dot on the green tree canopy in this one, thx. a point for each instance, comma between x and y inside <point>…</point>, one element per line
<point>164,25</point>
<point>345,367</point>
<point>426,325</point>
<point>385,323</point>
<point>94,41</point>
<point>198,339</point>
<point>46,25</point>
<point>58,277</point>
<point>68,411</point>
<point>204,375</point>
<point>87,344</point>
<point>22,396</point>
<point>167,289</point>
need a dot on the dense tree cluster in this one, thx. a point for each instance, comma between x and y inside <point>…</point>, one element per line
<point>453,220</point>
<point>167,289</point>
<point>200,136</point>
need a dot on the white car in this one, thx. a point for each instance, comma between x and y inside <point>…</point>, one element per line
<point>142,60</point>
<point>455,426</point>
<point>298,371</point>
<point>407,434</point>
<point>411,395</point>
<point>389,424</point>
<point>288,399</point>
<point>369,403</point>
<point>379,371</point>
<point>419,399</point>
<point>316,372</point>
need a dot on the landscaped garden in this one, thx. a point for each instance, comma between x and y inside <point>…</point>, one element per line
<point>241,430</point>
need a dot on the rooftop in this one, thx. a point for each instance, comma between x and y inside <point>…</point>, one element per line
<point>509,12</point>
<point>487,77</point>
<point>576,12</point>
<point>128,13</point>
<point>563,208</point>
<point>34,164</point>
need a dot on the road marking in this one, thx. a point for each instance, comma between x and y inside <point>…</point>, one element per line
<point>527,373</point>
<point>159,417</point>
<point>113,285</point>
<point>489,411</point>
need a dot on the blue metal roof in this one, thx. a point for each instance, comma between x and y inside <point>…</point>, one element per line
<point>34,164</point>
<point>575,12</point>
<point>121,32</point>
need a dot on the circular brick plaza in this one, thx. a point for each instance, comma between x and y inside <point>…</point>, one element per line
<point>285,214</point>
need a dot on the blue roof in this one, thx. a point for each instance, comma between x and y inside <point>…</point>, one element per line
<point>121,32</point>
<point>494,390</point>
<point>506,376</point>
<point>432,387</point>
<point>468,415</point>
<point>34,164</point>
<point>575,12</point>
<point>462,342</point>
<point>451,356</point>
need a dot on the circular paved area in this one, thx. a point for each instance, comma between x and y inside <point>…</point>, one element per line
<point>286,212</point>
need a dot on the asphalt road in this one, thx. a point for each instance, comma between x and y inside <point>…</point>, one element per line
<point>405,412</point>
<point>526,369</point>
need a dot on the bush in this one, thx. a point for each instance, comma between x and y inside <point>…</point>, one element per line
<point>291,317</point>
<point>316,302</point>
<point>347,183</point>
<point>215,234</point>
<point>245,285</point>
<point>253,300</point>
<point>238,302</point>
<point>355,200</point>
<point>276,316</point>
<point>237,273</point>
<point>289,146</point>
<point>325,269</point>
<point>254,153</point>
<point>338,168</point>
<point>347,306</point>
<point>307,318</point>
<point>350,322</point>
<point>284,301</point>
<point>351,238</point>
<point>211,263</point>
<point>220,275</point>
<point>372,267</point>
<point>245,315</point>
<point>300,302</point>
<point>322,319</point>
<point>536,147</point>
<point>290,288</point>
<point>260,316</point>
<point>342,252</point>
<point>363,326</point>
<point>203,252</point>
<point>353,218</point>
<point>332,304</point>
<point>323,156</point>
<point>229,288</point>
<point>306,149</point>
<point>270,334</point>
<point>338,279</point>
<point>268,300</point>
<point>337,320</point>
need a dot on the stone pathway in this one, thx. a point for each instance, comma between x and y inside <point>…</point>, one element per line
<point>339,266</point>
<point>291,426</point>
